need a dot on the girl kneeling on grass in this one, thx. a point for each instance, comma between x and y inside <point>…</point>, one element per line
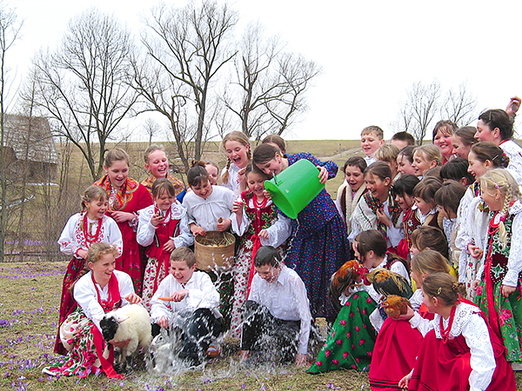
<point>81,231</point>
<point>459,351</point>
<point>100,289</point>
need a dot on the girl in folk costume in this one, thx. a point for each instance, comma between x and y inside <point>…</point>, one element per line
<point>462,140</point>
<point>442,135</point>
<point>210,208</point>
<point>377,209</point>
<point>126,198</point>
<point>460,351</point>
<point>157,165</point>
<point>448,199</point>
<point>425,158</point>
<point>258,223</point>
<point>398,343</point>
<point>403,191</point>
<point>351,340</point>
<point>81,231</point>
<point>352,189</point>
<point>473,212</point>
<point>496,126</point>
<point>237,147</point>
<point>162,227</point>
<point>405,161</point>
<point>424,197</point>
<point>498,294</point>
<point>370,249</point>
<point>99,290</point>
<point>319,245</point>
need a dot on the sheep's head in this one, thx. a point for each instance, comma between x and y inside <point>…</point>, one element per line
<point>109,326</point>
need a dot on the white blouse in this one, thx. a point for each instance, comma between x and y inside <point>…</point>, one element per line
<point>514,152</point>
<point>233,179</point>
<point>206,212</point>
<point>86,296</point>
<point>202,294</point>
<point>515,252</point>
<point>73,238</point>
<point>363,219</point>
<point>146,230</point>
<point>277,232</point>
<point>469,323</point>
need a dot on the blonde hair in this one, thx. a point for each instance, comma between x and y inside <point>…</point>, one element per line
<point>428,262</point>
<point>387,153</point>
<point>151,149</point>
<point>115,155</point>
<point>500,179</point>
<point>95,252</point>
<point>431,153</point>
<point>373,129</point>
<point>93,193</point>
<point>241,138</point>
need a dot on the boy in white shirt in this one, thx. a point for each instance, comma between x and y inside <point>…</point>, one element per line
<point>187,300</point>
<point>277,310</point>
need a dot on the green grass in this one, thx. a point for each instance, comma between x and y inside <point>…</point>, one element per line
<point>28,324</point>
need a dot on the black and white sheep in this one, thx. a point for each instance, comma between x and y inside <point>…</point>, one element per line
<point>131,322</point>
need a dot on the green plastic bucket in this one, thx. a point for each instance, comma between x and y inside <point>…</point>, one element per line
<point>295,187</point>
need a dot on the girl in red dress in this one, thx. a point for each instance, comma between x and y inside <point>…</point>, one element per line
<point>459,351</point>
<point>81,231</point>
<point>162,227</point>
<point>157,165</point>
<point>126,198</point>
<point>259,224</point>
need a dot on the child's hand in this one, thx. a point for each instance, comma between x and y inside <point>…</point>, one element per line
<point>323,174</point>
<point>82,253</point>
<point>163,322</point>
<point>263,234</point>
<point>169,246</point>
<point>179,295</point>
<point>474,251</point>
<point>267,194</point>
<point>381,216</point>
<point>121,217</point>
<point>242,179</point>
<point>403,383</point>
<point>157,219</point>
<point>223,224</point>
<point>300,359</point>
<point>197,230</point>
<point>237,207</point>
<point>507,290</point>
<point>133,298</point>
<point>513,105</point>
<point>475,284</point>
<point>408,315</point>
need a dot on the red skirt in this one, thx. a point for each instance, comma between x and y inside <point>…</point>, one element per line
<point>446,366</point>
<point>394,354</point>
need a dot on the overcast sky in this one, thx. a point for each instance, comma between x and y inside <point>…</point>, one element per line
<point>371,52</point>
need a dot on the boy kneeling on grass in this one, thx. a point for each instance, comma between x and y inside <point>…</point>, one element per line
<point>187,302</point>
<point>276,316</point>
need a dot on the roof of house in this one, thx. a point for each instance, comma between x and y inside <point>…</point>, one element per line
<point>30,138</point>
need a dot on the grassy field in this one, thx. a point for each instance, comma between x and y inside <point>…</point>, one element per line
<point>28,325</point>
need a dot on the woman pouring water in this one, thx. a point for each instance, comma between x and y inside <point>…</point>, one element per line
<point>319,243</point>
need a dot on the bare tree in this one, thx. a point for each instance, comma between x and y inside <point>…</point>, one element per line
<point>459,106</point>
<point>85,85</point>
<point>420,109</point>
<point>188,47</point>
<point>272,84</point>
<point>9,33</point>
<point>152,128</point>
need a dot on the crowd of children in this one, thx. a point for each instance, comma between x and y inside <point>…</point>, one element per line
<point>430,213</point>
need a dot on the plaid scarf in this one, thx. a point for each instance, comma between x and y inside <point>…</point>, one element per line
<point>375,204</point>
<point>119,200</point>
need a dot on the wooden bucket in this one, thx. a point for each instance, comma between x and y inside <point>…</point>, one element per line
<point>215,250</point>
